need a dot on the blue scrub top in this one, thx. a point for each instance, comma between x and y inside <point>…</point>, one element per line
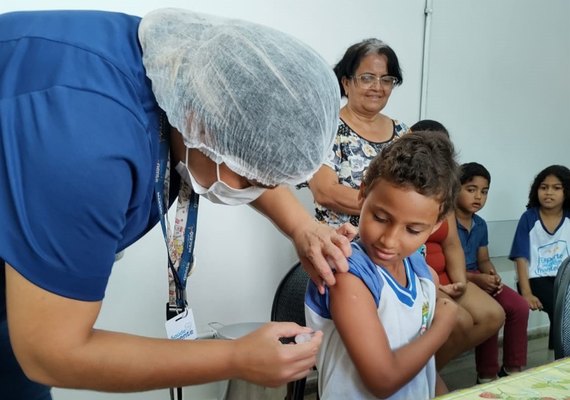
<point>78,147</point>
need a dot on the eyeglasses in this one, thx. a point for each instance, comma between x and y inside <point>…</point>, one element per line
<point>366,81</point>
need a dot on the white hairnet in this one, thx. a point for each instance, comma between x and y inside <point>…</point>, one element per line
<point>249,96</point>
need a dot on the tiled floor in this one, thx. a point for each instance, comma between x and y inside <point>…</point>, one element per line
<point>460,373</point>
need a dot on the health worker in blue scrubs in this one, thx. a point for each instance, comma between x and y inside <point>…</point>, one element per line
<point>105,118</point>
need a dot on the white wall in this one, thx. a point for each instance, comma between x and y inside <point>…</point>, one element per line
<point>498,79</point>
<point>240,256</point>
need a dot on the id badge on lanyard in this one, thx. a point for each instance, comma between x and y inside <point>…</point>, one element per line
<point>179,242</point>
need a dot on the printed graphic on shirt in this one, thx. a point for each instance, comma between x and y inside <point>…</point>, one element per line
<point>550,257</point>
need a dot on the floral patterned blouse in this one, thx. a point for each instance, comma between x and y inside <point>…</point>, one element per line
<point>349,158</point>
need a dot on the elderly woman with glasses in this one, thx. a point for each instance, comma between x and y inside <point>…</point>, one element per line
<point>367,74</point>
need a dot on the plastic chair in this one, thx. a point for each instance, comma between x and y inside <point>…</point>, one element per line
<point>561,320</point>
<point>289,305</point>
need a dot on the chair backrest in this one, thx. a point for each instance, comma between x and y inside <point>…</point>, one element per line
<point>289,299</point>
<point>289,305</point>
<point>561,320</point>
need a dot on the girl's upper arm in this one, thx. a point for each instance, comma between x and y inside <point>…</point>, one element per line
<point>521,266</point>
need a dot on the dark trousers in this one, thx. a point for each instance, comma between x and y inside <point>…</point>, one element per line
<point>515,339</point>
<point>543,288</point>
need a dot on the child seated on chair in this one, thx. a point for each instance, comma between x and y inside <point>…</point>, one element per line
<point>475,181</point>
<point>542,239</point>
<point>478,315</point>
<point>381,321</point>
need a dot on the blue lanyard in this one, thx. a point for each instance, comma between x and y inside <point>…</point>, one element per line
<point>187,256</point>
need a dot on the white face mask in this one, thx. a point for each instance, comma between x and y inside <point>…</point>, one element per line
<point>219,192</point>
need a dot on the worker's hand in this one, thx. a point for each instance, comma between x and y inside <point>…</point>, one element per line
<point>322,250</point>
<point>261,358</point>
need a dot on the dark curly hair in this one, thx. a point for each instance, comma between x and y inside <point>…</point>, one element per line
<point>470,170</point>
<point>430,125</point>
<point>349,63</point>
<point>424,162</point>
<point>559,171</point>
